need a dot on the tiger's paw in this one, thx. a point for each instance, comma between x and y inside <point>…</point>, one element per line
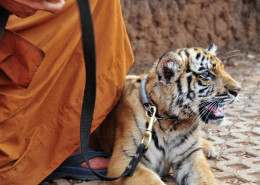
<point>209,149</point>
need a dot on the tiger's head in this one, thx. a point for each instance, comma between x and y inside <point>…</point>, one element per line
<point>192,82</point>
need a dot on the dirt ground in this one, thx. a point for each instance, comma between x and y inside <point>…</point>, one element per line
<point>238,142</point>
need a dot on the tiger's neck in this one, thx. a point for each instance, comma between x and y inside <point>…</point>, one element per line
<point>168,104</point>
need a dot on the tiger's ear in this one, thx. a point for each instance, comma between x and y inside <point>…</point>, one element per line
<point>169,68</point>
<point>213,49</point>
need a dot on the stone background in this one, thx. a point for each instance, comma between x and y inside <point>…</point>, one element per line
<point>156,26</point>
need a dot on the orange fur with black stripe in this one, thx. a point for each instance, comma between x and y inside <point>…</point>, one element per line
<point>188,86</point>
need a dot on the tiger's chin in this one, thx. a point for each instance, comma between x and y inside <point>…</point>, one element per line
<point>212,114</point>
<point>218,121</point>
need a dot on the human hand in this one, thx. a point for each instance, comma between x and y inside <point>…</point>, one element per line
<point>25,8</point>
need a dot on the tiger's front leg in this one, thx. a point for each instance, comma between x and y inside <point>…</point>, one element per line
<point>193,169</point>
<point>141,176</point>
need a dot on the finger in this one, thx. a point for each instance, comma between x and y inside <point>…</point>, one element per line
<point>53,7</point>
<point>23,12</point>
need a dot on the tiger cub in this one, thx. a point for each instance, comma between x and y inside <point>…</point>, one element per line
<point>187,86</point>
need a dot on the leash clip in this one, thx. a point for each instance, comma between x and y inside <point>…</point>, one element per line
<point>150,116</point>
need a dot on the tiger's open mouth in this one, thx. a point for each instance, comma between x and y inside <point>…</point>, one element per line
<point>211,113</point>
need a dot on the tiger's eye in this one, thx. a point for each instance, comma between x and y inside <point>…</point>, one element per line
<point>205,74</point>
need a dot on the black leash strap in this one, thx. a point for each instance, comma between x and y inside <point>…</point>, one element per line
<point>4,14</point>
<point>90,93</point>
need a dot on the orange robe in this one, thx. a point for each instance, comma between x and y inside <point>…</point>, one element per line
<point>39,124</point>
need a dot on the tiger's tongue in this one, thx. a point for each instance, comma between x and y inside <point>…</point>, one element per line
<point>216,111</point>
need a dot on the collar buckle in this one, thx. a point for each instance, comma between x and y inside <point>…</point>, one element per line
<point>148,132</point>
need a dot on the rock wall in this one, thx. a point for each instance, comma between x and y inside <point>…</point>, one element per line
<point>156,26</point>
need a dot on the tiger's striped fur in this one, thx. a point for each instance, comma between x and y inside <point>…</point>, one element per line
<point>188,86</point>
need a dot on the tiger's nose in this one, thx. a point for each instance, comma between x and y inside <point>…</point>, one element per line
<point>234,92</point>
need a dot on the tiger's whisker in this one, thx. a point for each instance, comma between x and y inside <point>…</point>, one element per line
<point>229,53</point>
<point>231,56</point>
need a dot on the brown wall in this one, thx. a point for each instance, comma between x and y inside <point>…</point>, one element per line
<point>156,26</point>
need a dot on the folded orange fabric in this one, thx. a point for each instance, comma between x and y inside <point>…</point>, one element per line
<point>39,125</point>
<point>19,60</point>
